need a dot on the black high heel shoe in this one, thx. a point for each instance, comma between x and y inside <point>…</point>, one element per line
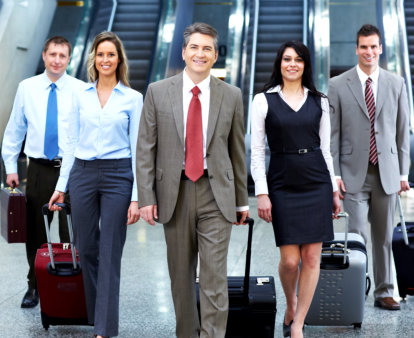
<point>286,328</point>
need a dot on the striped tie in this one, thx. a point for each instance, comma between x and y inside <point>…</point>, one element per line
<point>370,102</point>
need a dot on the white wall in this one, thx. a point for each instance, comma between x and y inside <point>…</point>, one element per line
<point>24,25</point>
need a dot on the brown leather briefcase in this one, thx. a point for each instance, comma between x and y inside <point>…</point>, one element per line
<point>13,215</point>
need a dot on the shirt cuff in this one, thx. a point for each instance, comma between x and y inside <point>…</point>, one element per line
<point>261,188</point>
<point>61,184</point>
<point>243,208</point>
<point>404,178</point>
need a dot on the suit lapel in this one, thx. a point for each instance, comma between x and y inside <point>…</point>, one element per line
<point>175,92</point>
<point>216,97</point>
<point>382,91</point>
<point>354,85</point>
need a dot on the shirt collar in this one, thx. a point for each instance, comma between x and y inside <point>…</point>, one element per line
<point>188,84</point>
<point>363,77</point>
<point>59,83</point>
<point>278,89</point>
<point>120,87</point>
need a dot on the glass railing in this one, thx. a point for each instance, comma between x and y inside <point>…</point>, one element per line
<point>164,41</point>
<point>80,40</point>
<point>395,44</point>
<point>318,42</point>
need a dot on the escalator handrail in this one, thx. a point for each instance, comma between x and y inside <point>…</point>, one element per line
<point>111,19</point>
<point>305,23</point>
<point>253,62</point>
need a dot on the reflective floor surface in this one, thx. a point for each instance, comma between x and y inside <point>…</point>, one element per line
<point>146,308</point>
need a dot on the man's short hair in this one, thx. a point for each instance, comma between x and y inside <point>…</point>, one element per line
<point>368,30</point>
<point>58,40</point>
<point>202,28</point>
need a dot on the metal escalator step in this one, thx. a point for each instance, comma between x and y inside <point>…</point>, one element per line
<point>134,26</point>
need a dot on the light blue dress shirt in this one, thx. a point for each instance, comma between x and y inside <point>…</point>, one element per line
<point>28,116</point>
<point>110,132</point>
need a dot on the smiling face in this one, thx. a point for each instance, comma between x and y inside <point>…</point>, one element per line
<point>368,50</point>
<point>106,59</point>
<point>199,56</point>
<point>56,59</point>
<point>292,66</point>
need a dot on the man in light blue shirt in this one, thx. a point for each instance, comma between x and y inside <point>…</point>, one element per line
<point>35,98</point>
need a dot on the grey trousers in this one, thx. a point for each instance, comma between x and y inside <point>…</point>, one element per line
<point>198,227</point>
<point>374,205</point>
<point>101,195</point>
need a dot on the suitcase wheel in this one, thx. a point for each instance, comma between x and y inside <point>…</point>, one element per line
<point>357,325</point>
<point>45,321</point>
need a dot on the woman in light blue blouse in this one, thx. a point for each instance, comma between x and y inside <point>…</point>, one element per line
<point>97,166</point>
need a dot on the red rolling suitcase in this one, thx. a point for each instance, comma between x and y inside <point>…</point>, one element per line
<point>59,280</point>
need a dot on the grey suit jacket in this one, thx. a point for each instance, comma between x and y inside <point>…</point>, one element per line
<point>350,130</point>
<point>160,148</point>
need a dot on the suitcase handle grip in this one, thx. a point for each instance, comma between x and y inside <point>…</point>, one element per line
<point>345,215</point>
<point>66,209</point>
<point>64,206</point>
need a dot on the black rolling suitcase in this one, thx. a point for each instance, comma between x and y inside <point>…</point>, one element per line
<point>252,301</point>
<point>403,251</point>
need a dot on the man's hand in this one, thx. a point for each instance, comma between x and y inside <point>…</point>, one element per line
<point>57,197</point>
<point>341,188</point>
<point>405,186</point>
<point>13,178</point>
<point>241,217</point>
<point>149,213</point>
<point>133,213</point>
<point>264,207</point>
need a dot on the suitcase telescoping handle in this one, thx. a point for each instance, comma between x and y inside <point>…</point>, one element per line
<point>246,283</point>
<point>66,210</point>
<point>402,221</point>
<point>346,216</point>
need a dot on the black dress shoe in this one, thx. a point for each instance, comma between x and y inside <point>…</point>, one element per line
<point>286,328</point>
<point>30,299</point>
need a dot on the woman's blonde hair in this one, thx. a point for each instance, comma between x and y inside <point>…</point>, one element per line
<point>121,70</point>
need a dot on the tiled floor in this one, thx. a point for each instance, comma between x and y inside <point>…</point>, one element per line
<point>146,308</point>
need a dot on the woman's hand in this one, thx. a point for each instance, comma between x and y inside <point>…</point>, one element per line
<point>264,207</point>
<point>133,213</point>
<point>57,197</point>
<point>336,208</point>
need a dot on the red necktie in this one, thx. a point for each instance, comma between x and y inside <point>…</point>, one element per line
<point>194,162</point>
<point>369,99</point>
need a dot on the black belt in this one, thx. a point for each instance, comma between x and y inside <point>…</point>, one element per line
<point>296,151</point>
<point>185,178</point>
<point>57,163</point>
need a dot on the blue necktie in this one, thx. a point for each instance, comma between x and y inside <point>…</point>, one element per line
<point>51,146</point>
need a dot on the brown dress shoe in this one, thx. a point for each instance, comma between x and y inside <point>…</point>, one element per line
<point>387,303</point>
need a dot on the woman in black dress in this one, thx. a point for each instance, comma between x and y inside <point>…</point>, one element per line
<point>299,192</point>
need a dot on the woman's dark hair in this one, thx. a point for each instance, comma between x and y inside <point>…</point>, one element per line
<point>307,78</point>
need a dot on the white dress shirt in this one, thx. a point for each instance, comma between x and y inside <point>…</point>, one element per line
<point>258,138</point>
<point>28,117</point>
<point>204,97</point>
<point>110,132</point>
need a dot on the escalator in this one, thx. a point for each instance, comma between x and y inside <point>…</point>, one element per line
<point>136,24</point>
<point>279,21</point>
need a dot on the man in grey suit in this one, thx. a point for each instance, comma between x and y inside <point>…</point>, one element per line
<point>370,149</point>
<point>192,178</point>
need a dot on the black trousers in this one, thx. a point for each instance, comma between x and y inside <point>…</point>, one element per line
<point>41,183</point>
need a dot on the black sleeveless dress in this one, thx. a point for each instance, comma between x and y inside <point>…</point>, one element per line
<point>300,187</point>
